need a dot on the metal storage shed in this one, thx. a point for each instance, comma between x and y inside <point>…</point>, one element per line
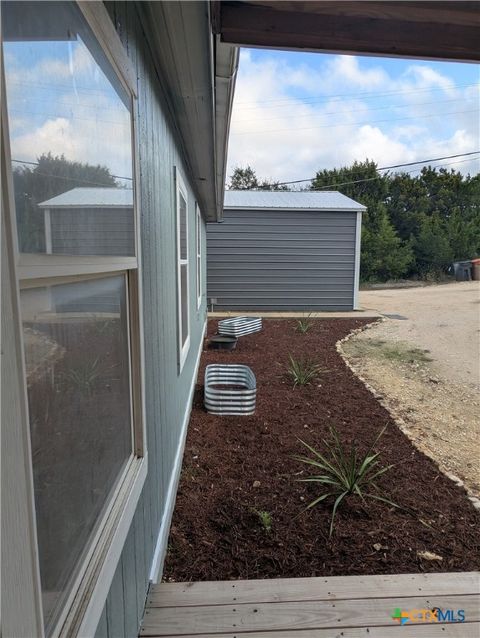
<point>90,221</point>
<point>280,250</point>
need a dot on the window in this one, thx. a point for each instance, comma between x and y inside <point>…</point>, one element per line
<point>70,119</point>
<point>198,238</point>
<point>182,270</point>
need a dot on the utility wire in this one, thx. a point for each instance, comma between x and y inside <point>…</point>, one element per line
<point>321,98</point>
<point>74,179</point>
<point>347,112</point>
<point>310,128</point>
<point>386,168</point>
<point>371,179</point>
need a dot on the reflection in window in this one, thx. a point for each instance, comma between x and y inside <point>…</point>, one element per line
<point>70,134</point>
<point>77,361</point>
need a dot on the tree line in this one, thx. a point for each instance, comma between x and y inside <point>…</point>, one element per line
<point>414,226</point>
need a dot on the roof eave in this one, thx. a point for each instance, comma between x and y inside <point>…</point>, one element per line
<point>198,78</point>
<point>358,209</point>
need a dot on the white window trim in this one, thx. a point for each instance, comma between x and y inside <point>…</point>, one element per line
<point>85,604</point>
<point>198,251</point>
<point>182,349</point>
<point>358,250</point>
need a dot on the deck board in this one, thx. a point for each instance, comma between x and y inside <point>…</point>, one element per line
<point>347,607</point>
<point>292,589</point>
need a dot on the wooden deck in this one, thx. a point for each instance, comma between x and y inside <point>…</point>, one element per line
<point>343,607</point>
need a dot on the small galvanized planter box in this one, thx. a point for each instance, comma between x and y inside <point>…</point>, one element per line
<point>230,389</point>
<point>239,326</point>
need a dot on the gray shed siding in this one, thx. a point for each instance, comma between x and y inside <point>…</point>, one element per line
<point>167,391</point>
<point>92,231</point>
<point>282,260</point>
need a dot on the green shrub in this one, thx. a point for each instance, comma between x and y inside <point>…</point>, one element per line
<point>265,519</point>
<point>302,371</point>
<point>345,473</point>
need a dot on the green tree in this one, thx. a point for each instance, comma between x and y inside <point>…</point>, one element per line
<point>384,254</point>
<point>407,203</point>
<point>51,176</point>
<point>246,179</point>
<point>431,247</point>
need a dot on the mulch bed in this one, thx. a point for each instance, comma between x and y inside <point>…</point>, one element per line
<point>235,467</point>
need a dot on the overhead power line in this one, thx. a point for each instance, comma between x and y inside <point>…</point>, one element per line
<point>310,128</point>
<point>375,94</point>
<point>386,168</point>
<point>371,179</point>
<point>348,111</point>
<point>74,179</point>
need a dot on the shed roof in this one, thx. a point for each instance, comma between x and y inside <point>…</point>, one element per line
<point>291,200</point>
<point>81,197</point>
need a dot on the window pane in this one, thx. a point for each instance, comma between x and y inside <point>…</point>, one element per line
<point>184,301</point>
<point>70,134</point>
<point>183,227</point>
<point>77,362</point>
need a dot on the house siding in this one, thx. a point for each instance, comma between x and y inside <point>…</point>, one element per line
<point>282,260</point>
<point>167,390</point>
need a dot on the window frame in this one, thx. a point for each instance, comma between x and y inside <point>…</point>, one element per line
<point>183,348</point>
<point>199,255</point>
<point>85,602</point>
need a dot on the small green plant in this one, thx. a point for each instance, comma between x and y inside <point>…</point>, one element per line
<point>265,519</point>
<point>345,473</point>
<point>302,371</point>
<point>84,376</point>
<point>304,324</point>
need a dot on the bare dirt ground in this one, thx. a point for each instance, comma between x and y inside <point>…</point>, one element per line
<point>442,319</point>
<point>424,360</point>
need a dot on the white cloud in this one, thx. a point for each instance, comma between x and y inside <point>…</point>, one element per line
<point>348,70</point>
<point>82,140</point>
<point>425,76</point>
<point>284,137</point>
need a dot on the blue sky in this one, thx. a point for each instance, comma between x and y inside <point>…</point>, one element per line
<point>60,101</point>
<point>295,113</point>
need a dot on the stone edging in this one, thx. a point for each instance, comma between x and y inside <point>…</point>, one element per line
<point>398,421</point>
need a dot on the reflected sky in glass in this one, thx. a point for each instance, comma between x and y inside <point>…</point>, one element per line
<point>60,101</point>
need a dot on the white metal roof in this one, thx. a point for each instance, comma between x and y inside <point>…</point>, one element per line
<point>91,198</point>
<point>291,200</point>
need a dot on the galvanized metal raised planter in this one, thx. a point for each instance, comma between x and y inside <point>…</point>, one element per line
<point>239,326</point>
<point>230,389</point>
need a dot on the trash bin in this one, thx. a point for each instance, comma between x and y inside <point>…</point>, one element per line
<point>462,270</point>
<point>476,269</point>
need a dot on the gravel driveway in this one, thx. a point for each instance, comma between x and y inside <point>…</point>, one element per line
<point>443,319</point>
<point>424,360</point>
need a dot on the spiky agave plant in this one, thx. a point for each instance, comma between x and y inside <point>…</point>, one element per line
<point>304,324</point>
<point>302,371</point>
<point>345,473</point>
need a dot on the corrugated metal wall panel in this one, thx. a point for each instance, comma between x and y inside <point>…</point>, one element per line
<point>166,389</point>
<point>282,260</point>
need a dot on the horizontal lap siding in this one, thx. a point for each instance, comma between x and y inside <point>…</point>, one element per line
<point>92,231</point>
<point>282,260</point>
<point>166,388</point>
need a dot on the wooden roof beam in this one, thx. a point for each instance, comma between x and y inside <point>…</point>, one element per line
<point>428,30</point>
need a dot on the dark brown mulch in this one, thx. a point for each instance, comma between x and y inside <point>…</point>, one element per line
<point>217,533</point>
